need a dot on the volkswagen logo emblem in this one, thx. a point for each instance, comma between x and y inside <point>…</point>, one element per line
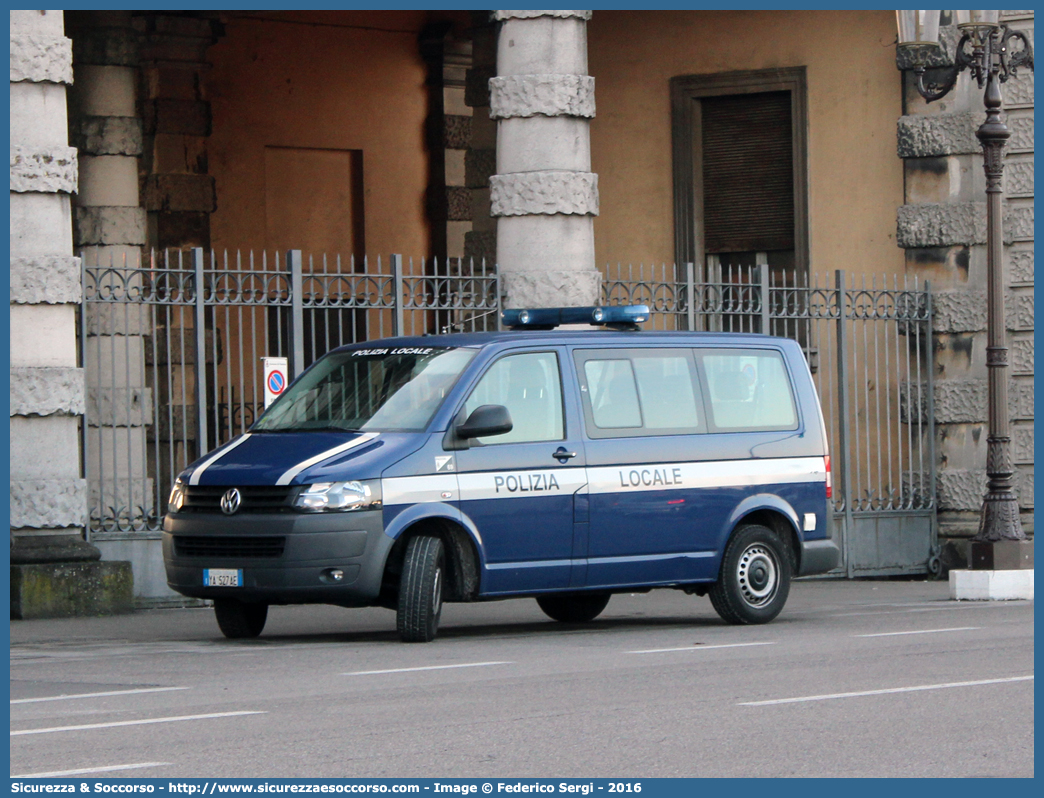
<point>231,500</point>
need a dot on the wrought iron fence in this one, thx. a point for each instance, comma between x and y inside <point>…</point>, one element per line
<point>173,345</point>
<point>174,371</point>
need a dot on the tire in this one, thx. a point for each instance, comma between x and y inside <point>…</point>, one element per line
<point>420,590</point>
<point>574,608</point>
<point>935,566</point>
<point>754,581</point>
<point>238,619</point>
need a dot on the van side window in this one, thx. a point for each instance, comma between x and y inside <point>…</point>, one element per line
<point>749,390</point>
<point>530,387</point>
<point>665,385</point>
<point>614,398</point>
<point>630,392</point>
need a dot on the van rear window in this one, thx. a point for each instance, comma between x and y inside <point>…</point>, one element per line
<point>748,389</point>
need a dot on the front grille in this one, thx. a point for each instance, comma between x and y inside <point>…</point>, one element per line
<point>245,547</point>
<point>256,498</point>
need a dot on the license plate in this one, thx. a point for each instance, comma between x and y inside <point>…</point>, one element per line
<point>223,577</point>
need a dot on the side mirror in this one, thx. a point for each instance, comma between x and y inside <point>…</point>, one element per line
<point>484,421</point>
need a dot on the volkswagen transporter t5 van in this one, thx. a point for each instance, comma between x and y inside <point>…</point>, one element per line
<point>560,465</point>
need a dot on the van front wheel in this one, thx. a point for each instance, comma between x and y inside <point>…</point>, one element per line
<point>754,581</point>
<point>420,590</point>
<point>239,619</point>
<point>574,608</point>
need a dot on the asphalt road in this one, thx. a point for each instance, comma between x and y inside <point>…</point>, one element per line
<point>853,679</point>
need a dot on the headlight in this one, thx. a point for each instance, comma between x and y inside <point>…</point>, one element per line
<point>336,497</point>
<point>178,494</point>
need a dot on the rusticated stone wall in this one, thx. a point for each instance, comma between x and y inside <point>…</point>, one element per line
<point>480,158</point>
<point>178,193</point>
<point>942,227</point>
<point>448,56</point>
<point>948,134</point>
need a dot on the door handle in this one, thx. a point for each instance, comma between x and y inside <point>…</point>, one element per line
<point>562,454</point>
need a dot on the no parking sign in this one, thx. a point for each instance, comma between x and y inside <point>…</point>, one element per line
<point>275,378</point>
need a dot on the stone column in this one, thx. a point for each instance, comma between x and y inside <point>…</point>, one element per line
<point>110,229</point>
<point>105,127</point>
<point>544,195</point>
<point>54,570</point>
<point>942,226</point>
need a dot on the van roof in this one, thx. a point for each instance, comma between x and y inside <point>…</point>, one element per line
<point>560,336</point>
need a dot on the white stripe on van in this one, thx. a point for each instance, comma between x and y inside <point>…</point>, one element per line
<point>534,483</point>
<point>194,479</point>
<point>714,474</point>
<point>413,490</point>
<point>545,482</point>
<point>311,461</point>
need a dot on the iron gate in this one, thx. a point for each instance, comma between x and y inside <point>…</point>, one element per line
<point>173,371</point>
<point>868,343</point>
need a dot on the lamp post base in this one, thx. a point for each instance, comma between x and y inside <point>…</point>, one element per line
<point>1000,555</point>
<point>998,570</point>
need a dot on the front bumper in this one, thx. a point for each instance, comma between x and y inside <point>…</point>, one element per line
<point>293,573</point>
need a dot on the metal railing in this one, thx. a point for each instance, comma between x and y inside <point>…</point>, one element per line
<point>173,372</point>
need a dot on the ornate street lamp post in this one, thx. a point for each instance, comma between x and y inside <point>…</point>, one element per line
<point>992,53</point>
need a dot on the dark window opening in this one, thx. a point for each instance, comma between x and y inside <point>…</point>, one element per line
<point>740,188</point>
<point>748,173</point>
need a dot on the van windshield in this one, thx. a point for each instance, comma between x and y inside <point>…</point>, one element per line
<point>380,389</point>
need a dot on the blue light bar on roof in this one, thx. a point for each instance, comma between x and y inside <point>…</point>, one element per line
<point>547,318</point>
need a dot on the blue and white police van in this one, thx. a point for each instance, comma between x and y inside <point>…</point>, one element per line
<point>563,465</point>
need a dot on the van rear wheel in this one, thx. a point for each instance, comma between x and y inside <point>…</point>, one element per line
<point>240,619</point>
<point>574,608</point>
<point>754,581</point>
<point>420,590</point>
